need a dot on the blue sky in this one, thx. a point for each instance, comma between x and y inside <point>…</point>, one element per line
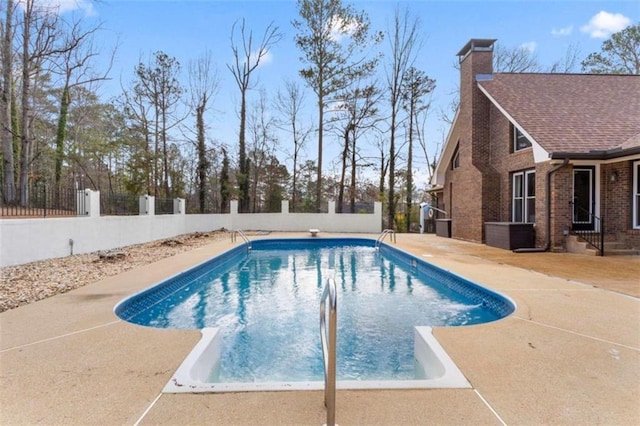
<point>186,29</point>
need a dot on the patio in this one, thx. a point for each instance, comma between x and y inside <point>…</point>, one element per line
<point>570,354</point>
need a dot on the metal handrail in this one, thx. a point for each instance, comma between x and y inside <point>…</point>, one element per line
<point>383,235</point>
<point>328,341</point>
<point>242,235</point>
<point>593,237</point>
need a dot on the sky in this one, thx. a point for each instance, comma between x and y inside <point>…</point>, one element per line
<point>186,29</point>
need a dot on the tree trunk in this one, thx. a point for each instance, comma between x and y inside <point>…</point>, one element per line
<point>352,188</point>
<point>320,132</point>
<point>243,177</point>
<point>409,164</point>
<point>61,135</point>
<point>202,157</point>
<point>26,109</point>
<point>6,98</point>
<point>345,153</point>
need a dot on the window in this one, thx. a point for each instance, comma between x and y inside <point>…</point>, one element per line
<point>524,197</point>
<point>520,141</point>
<point>636,195</point>
<point>455,160</point>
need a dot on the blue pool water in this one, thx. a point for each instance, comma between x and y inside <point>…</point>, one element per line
<point>266,303</point>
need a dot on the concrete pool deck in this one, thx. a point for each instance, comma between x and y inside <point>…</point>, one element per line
<point>570,354</point>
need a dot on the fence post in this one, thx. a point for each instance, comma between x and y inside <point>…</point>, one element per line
<point>332,207</point>
<point>377,213</point>
<point>178,206</point>
<point>92,203</point>
<point>147,205</point>
<point>285,207</point>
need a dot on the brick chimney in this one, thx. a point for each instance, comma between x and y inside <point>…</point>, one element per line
<point>476,178</point>
<point>476,59</point>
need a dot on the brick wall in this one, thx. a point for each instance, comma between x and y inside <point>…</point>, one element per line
<point>616,183</point>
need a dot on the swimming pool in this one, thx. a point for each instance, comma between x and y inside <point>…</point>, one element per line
<point>263,304</point>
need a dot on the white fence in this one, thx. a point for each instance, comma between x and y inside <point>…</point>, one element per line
<point>29,240</point>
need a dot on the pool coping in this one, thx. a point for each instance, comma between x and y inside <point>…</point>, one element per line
<point>189,376</point>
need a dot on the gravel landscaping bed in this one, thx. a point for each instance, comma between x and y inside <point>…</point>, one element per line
<point>23,284</point>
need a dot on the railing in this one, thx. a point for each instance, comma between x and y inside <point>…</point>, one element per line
<point>45,201</point>
<point>594,237</point>
<point>164,206</point>
<point>112,204</point>
<point>384,234</point>
<point>328,341</point>
<point>234,237</point>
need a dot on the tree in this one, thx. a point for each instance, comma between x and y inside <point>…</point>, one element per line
<point>618,55</point>
<point>416,86</point>
<point>358,111</point>
<point>246,59</point>
<point>203,84</point>
<point>158,88</point>
<point>225,184</point>
<point>333,39</point>
<point>40,33</point>
<point>6,96</point>
<point>289,103</point>
<point>517,59</point>
<point>404,45</point>
<point>75,66</point>
<point>263,144</point>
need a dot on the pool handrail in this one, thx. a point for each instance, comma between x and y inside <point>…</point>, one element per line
<point>329,347</point>
<point>242,235</point>
<point>383,235</point>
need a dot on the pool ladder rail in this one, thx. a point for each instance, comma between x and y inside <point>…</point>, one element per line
<point>328,340</point>
<point>384,234</point>
<point>234,237</point>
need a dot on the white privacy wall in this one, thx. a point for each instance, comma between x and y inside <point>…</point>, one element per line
<point>29,240</point>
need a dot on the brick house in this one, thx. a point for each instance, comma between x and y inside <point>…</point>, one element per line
<point>559,153</point>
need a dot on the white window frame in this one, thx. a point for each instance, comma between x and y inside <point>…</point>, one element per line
<point>636,195</point>
<point>524,197</point>
<point>517,134</point>
<point>455,160</point>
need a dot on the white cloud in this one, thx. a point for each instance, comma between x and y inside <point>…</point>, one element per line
<point>562,31</point>
<point>530,46</point>
<point>339,28</point>
<point>266,58</point>
<point>63,6</point>
<point>603,24</point>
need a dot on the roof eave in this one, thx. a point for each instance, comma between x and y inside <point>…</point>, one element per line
<point>596,155</point>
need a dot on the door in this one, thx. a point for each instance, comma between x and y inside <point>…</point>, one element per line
<point>583,198</point>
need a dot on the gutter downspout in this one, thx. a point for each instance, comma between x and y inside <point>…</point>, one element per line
<point>548,243</point>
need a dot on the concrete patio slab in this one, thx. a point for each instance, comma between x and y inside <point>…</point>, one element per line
<point>570,354</point>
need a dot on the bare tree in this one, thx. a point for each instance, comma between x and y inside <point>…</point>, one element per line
<point>416,87</point>
<point>247,57</point>
<point>40,34</point>
<point>514,59</point>
<point>262,145</point>
<point>75,66</point>
<point>404,45</point>
<point>359,112</point>
<point>569,62</point>
<point>289,103</point>
<point>203,83</point>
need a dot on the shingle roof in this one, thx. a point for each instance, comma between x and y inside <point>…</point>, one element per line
<point>575,113</point>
